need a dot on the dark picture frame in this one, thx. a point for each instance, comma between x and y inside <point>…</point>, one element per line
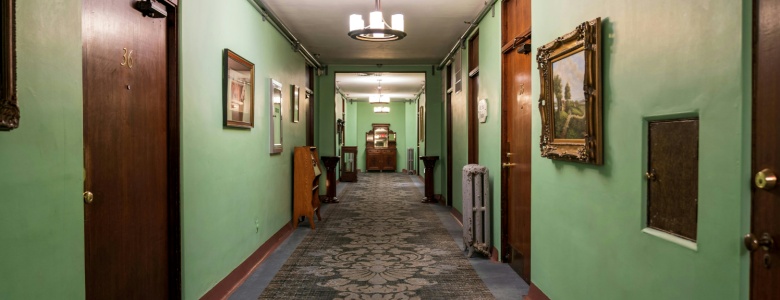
<point>571,95</point>
<point>239,91</point>
<point>275,101</point>
<point>295,103</point>
<point>9,108</point>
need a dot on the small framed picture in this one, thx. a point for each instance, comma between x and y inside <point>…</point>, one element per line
<point>296,101</point>
<point>275,129</point>
<point>239,103</point>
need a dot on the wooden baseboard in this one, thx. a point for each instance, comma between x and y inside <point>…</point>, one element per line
<point>232,281</point>
<point>494,254</point>
<point>457,215</point>
<point>440,198</point>
<point>534,293</point>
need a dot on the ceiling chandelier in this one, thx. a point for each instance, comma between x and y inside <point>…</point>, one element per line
<point>377,30</point>
<point>378,98</point>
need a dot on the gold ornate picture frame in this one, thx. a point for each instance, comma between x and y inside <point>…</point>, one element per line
<point>570,101</point>
<point>9,108</point>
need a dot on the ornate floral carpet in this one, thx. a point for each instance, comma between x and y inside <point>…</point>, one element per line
<point>380,242</point>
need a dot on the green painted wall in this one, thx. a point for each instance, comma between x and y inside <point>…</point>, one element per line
<point>41,162</point>
<point>326,123</point>
<point>587,220</point>
<point>351,126</point>
<point>365,116</point>
<point>489,79</point>
<point>490,132</point>
<point>226,173</point>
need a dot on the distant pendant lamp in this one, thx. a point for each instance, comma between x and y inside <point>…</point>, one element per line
<point>381,109</point>
<point>377,30</point>
<point>378,98</point>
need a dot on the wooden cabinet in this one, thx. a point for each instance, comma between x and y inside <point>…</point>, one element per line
<point>381,154</point>
<point>306,180</point>
<point>381,159</point>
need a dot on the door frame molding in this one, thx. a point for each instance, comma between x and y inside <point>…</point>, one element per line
<point>174,152</point>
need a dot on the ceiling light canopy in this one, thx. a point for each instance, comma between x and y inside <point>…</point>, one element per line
<point>377,30</point>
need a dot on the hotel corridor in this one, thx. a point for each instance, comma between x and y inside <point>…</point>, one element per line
<point>380,242</point>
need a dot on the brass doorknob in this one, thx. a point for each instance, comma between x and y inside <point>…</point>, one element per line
<point>765,179</point>
<point>651,175</point>
<point>507,165</point>
<point>88,197</point>
<point>752,243</point>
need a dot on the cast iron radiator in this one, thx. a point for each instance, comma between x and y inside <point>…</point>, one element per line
<point>410,161</point>
<point>476,210</point>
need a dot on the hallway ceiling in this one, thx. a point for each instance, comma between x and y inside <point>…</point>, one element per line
<point>432,27</point>
<point>399,86</point>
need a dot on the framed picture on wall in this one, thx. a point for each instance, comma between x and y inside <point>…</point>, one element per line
<point>570,99</point>
<point>421,122</point>
<point>9,109</point>
<point>239,103</point>
<point>296,101</point>
<point>275,102</point>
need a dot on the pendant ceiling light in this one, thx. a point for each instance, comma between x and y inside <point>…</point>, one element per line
<point>378,98</point>
<point>381,109</point>
<point>377,29</point>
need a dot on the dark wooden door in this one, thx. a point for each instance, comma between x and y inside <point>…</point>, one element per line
<point>473,94</point>
<point>449,143</point>
<point>129,148</point>
<point>765,262</point>
<point>516,137</point>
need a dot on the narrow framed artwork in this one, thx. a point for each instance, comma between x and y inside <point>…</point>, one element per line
<point>296,101</point>
<point>421,124</point>
<point>570,100</point>
<point>239,103</point>
<point>9,108</point>
<point>275,101</point>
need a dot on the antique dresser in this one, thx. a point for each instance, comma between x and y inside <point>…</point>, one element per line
<point>380,148</point>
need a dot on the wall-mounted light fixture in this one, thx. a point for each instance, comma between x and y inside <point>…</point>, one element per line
<point>377,30</point>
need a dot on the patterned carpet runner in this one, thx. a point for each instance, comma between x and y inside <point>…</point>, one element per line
<point>380,242</point>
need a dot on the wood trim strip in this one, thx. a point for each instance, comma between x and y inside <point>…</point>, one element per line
<point>457,215</point>
<point>534,293</point>
<point>174,155</point>
<point>232,281</point>
<point>516,41</point>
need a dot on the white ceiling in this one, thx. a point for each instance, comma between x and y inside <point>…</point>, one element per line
<point>432,27</point>
<point>399,86</point>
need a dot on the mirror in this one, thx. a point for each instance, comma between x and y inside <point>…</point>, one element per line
<point>276,117</point>
<point>380,137</point>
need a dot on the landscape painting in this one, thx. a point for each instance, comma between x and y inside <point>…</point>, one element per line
<point>569,113</point>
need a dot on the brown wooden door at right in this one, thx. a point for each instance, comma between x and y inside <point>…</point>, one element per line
<point>516,137</point>
<point>765,225</point>
<point>128,233</point>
